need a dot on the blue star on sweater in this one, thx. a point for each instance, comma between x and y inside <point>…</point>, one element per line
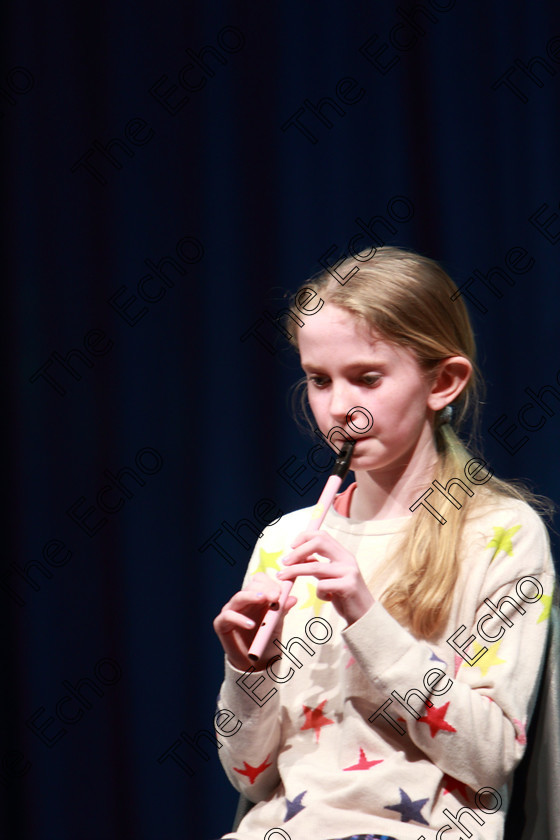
<point>368,837</point>
<point>408,809</point>
<point>294,806</point>
<point>436,658</point>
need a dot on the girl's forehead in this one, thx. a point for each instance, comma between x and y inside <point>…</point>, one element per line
<point>331,324</point>
<point>334,335</point>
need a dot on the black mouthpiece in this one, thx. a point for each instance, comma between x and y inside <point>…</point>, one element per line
<point>342,463</point>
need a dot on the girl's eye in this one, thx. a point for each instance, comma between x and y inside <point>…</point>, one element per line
<point>317,381</point>
<point>369,379</point>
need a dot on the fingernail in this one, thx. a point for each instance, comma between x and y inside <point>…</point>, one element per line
<point>249,623</point>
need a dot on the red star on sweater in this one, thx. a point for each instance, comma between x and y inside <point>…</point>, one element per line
<point>315,719</point>
<point>253,772</point>
<point>435,719</point>
<point>450,784</point>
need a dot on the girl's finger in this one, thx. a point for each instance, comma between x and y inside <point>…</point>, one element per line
<point>303,556</point>
<point>320,536</point>
<point>302,537</point>
<point>229,620</point>
<point>247,598</point>
<point>291,602</point>
<point>318,570</point>
<point>307,550</point>
<point>316,543</point>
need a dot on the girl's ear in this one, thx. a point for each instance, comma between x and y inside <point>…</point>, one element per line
<point>452,376</point>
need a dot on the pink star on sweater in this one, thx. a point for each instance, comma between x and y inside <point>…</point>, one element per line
<point>458,662</point>
<point>520,731</point>
<point>351,661</point>
<point>363,763</point>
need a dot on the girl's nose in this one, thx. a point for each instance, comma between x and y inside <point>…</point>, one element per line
<point>341,401</point>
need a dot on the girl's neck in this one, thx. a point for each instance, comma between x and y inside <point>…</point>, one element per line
<point>389,494</point>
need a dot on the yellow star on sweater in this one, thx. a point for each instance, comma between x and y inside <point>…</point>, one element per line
<point>313,600</point>
<point>546,601</point>
<point>268,560</point>
<point>501,540</point>
<point>489,659</point>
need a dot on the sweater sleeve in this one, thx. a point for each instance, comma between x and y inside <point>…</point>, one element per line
<point>249,753</point>
<point>468,706</point>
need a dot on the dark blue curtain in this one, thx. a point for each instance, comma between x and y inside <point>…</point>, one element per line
<point>170,171</point>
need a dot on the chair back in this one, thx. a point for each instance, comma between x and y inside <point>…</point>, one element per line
<point>534,812</point>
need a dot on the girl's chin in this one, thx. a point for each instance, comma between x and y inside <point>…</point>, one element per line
<point>368,458</point>
<point>364,459</point>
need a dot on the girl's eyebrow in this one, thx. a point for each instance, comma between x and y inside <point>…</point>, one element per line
<point>368,364</point>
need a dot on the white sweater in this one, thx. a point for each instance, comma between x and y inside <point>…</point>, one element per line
<point>332,751</point>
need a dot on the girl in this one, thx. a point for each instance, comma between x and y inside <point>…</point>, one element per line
<point>413,640</point>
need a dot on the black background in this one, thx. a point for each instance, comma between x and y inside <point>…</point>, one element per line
<point>462,125</point>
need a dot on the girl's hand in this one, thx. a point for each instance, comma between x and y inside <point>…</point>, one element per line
<point>339,580</point>
<point>240,618</point>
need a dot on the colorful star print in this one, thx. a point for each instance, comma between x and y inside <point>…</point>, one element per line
<point>315,719</point>
<point>363,763</point>
<point>546,601</point>
<point>371,837</point>
<point>435,720</point>
<point>458,662</point>
<point>520,731</point>
<point>268,560</point>
<point>489,659</point>
<point>501,540</point>
<point>437,659</point>
<point>294,806</point>
<point>313,600</point>
<point>253,772</point>
<point>408,809</point>
<point>450,784</point>
<point>351,661</point>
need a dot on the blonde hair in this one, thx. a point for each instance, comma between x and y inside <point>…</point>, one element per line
<point>406,298</point>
